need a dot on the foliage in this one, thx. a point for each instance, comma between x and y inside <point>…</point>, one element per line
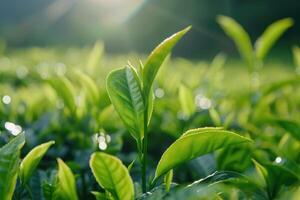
<point>145,131</point>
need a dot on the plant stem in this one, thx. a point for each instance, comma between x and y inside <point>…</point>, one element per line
<point>144,151</point>
<point>144,164</point>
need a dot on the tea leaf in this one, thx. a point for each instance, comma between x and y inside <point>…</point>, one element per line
<point>94,57</point>
<point>31,160</point>
<point>66,188</point>
<point>240,37</point>
<point>157,57</point>
<point>9,166</point>
<point>124,89</point>
<point>66,91</point>
<point>89,86</point>
<point>270,36</point>
<point>296,54</point>
<point>193,144</point>
<point>186,100</point>
<point>168,180</point>
<point>112,175</point>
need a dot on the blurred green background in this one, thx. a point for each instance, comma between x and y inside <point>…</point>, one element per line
<point>138,25</point>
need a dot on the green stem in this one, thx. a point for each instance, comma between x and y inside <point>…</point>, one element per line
<point>144,151</point>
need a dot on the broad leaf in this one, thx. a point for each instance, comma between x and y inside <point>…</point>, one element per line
<point>193,144</point>
<point>66,188</point>
<point>9,166</point>
<point>31,160</point>
<point>240,37</point>
<point>112,175</point>
<point>124,89</point>
<point>186,100</point>
<point>157,57</point>
<point>270,36</point>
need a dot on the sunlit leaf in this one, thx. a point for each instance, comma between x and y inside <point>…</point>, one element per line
<point>95,57</point>
<point>270,36</point>
<point>168,180</point>
<point>31,160</point>
<point>9,166</point>
<point>240,37</point>
<point>157,57</point>
<point>66,188</point>
<point>193,144</point>
<point>186,100</point>
<point>124,89</point>
<point>112,175</point>
<point>66,91</point>
<point>89,86</point>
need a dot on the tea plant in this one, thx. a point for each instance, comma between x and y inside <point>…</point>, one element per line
<point>160,105</point>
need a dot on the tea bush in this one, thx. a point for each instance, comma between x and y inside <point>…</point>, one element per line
<point>74,127</point>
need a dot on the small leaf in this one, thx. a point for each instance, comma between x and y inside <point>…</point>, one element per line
<point>186,100</point>
<point>193,144</point>
<point>291,127</point>
<point>168,180</point>
<point>112,175</point>
<point>66,188</point>
<point>124,89</point>
<point>275,177</point>
<point>31,160</point>
<point>89,86</point>
<point>215,117</point>
<point>240,37</point>
<point>270,36</point>
<point>296,54</point>
<point>66,91</point>
<point>9,166</point>
<point>94,57</point>
<point>157,57</point>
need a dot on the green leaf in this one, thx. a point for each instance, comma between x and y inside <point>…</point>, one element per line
<point>186,100</point>
<point>94,57</point>
<point>66,188</point>
<point>89,86</point>
<point>296,54</point>
<point>124,89</point>
<point>194,143</point>
<point>214,115</point>
<point>66,91</point>
<point>112,175</point>
<point>291,127</point>
<point>157,57</point>
<point>9,166</point>
<point>100,196</point>
<point>31,160</point>
<point>275,177</point>
<point>168,180</point>
<point>270,36</point>
<point>240,37</point>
